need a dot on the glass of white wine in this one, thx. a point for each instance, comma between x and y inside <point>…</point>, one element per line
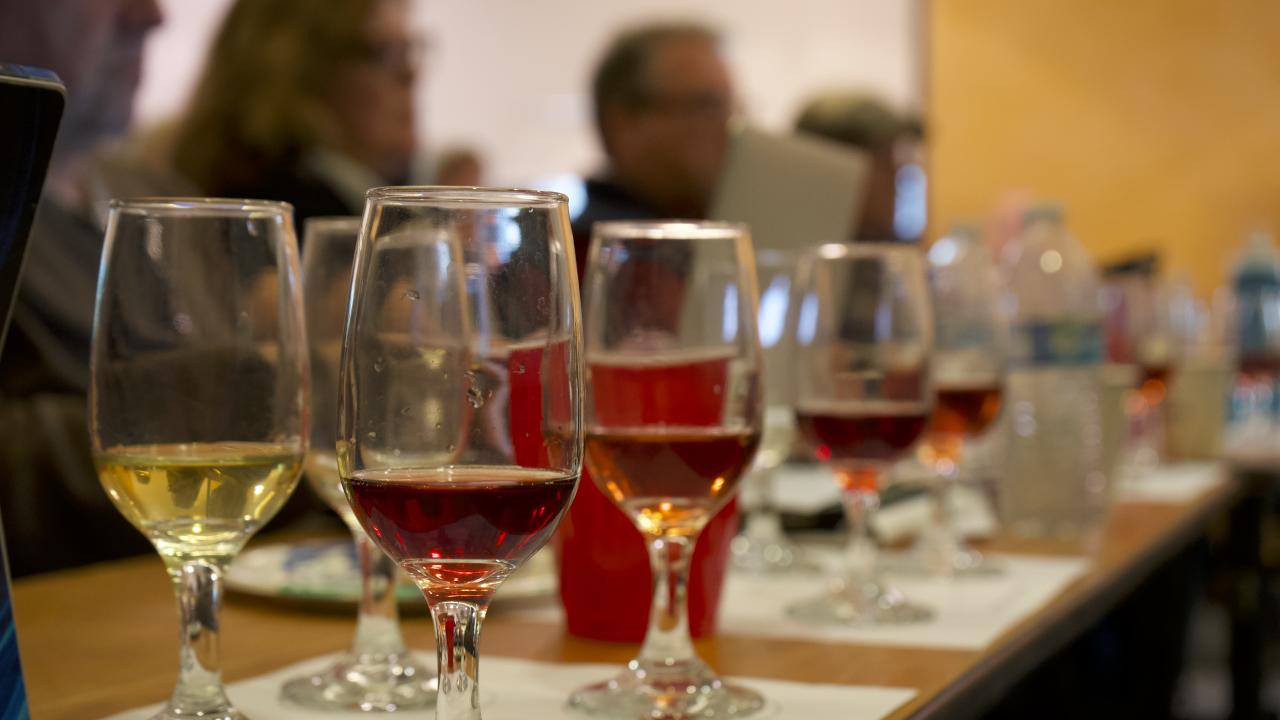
<point>378,672</point>
<point>199,397</point>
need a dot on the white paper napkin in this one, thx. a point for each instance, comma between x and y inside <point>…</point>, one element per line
<point>522,689</point>
<point>1177,483</point>
<point>970,612</point>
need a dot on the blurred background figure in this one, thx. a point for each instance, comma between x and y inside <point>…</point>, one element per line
<point>460,166</point>
<point>55,511</point>
<point>304,102</point>
<point>662,98</point>
<point>891,141</point>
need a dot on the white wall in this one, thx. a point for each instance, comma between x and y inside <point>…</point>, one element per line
<point>511,78</point>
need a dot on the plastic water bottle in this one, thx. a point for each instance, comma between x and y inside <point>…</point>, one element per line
<point>1056,485</point>
<point>1256,282</point>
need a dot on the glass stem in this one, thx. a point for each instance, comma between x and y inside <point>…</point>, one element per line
<point>458,657</point>
<point>378,625</point>
<point>941,541</point>
<point>198,586</point>
<point>762,525</point>
<point>667,641</point>
<point>861,555</point>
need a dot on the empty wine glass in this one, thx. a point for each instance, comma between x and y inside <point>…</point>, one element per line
<point>378,672</point>
<point>762,546</point>
<point>968,377</point>
<point>864,338</point>
<point>673,419</point>
<point>198,398</point>
<point>460,436</point>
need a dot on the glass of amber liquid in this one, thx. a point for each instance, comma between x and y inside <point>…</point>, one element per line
<point>199,398</point>
<point>863,331</point>
<point>673,418</point>
<point>968,375</point>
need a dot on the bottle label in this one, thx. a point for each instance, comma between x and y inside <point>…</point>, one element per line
<point>1057,342</point>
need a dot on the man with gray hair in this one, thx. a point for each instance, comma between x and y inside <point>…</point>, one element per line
<point>663,98</point>
<point>56,514</point>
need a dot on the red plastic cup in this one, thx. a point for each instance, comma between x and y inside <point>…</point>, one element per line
<point>605,577</point>
<point>603,559</point>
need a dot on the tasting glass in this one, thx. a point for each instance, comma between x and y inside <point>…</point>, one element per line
<point>673,419</point>
<point>762,547</point>
<point>968,377</point>
<point>863,330</point>
<point>198,397</point>
<point>377,673</point>
<point>460,437</point>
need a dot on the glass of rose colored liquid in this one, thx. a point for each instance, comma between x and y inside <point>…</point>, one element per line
<point>968,374</point>
<point>863,332</point>
<point>459,435</point>
<point>199,398</point>
<point>378,673</point>
<point>673,415</point>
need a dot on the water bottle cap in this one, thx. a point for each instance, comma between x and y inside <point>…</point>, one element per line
<point>1050,212</point>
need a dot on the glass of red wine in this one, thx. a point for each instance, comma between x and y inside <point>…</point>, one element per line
<point>460,435</point>
<point>673,413</point>
<point>378,672</point>
<point>863,332</point>
<point>968,375</point>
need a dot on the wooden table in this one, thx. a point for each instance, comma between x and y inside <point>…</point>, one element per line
<point>102,639</point>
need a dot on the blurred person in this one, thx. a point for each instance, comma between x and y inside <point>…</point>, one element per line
<point>55,512</point>
<point>460,166</point>
<point>306,102</point>
<point>871,126</point>
<point>663,99</point>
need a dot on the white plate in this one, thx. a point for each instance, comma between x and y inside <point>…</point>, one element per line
<point>325,572</point>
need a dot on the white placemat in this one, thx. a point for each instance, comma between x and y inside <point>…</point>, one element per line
<point>970,612</point>
<point>522,689</point>
<point>1175,484</point>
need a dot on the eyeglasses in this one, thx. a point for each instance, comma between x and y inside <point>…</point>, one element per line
<point>703,105</point>
<point>396,56</point>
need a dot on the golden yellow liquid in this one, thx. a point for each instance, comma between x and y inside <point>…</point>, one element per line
<point>199,499</point>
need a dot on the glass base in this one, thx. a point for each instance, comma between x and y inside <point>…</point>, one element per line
<point>959,562</point>
<point>877,605</point>
<point>224,713</point>
<point>769,558</point>
<point>689,691</point>
<point>369,684</point>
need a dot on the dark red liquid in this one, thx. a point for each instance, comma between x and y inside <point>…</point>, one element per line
<point>1258,365</point>
<point>870,437</point>
<point>670,479</point>
<point>460,526</point>
<point>966,409</point>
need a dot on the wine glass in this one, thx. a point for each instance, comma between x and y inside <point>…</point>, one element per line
<point>1154,350</point>
<point>762,546</point>
<point>968,377</point>
<point>460,436</point>
<point>378,672</point>
<point>864,337</point>
<point>199,397</point>
<point>673,419</point>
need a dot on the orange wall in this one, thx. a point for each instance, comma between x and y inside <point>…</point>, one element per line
<point>1157,122</point>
